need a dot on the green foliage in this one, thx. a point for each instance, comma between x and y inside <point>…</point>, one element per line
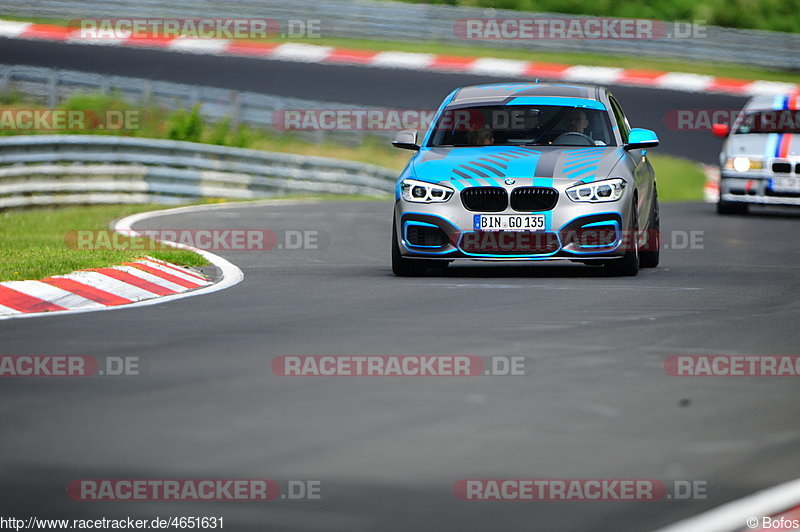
<point>185,126</point>
<point>774,15</point>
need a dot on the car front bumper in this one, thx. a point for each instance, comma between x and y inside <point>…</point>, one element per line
<point>737,187</point>
<point>573,230</point>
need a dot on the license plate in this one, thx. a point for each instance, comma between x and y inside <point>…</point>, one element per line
<point>786,184</point>
<point>509,222</point>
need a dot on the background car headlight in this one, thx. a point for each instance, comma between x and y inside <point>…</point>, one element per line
<point>422,192</point>
<point>743,164</point>
<point>606,190</point>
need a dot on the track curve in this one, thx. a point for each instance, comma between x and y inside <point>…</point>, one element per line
<point>598,404</point>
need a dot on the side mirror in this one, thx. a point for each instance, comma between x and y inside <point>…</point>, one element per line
<point>406,139</point>
<point>641,138</point>
<point>720,130</point>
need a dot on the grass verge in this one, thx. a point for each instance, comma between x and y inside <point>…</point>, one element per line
<point>679,179</point>
<point>33,242</point>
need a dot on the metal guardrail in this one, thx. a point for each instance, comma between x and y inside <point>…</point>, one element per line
<point>51,86</point>
<point>424,22</point>
<point>83,169</point>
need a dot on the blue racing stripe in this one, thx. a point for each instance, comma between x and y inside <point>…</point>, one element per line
<point>573,167</point>
<point>557,100</point>
<point>585,172</point>
<point>458,185</point>
<point>773,145</point>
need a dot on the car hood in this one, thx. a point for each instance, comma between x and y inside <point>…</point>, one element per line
<point>763,145</point>
<point>491,165</point>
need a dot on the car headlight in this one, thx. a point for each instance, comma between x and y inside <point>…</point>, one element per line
<point>606,190</point>
<point>422,192</point>
<point>743,164</point>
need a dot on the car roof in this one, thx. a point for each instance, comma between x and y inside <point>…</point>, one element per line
<point>503,93</point>
<point>774,102</point>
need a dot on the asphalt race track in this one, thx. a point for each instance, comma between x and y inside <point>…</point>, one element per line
<point>596,404</point>
<point>351,84</point>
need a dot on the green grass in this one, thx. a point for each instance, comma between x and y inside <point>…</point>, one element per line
<point>678,179</point>
<point>33,242</point>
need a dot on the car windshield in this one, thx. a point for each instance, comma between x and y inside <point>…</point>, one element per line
<point>522,125</point>
<point>769,121</point>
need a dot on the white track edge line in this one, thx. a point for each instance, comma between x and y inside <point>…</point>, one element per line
<point>731,516</point>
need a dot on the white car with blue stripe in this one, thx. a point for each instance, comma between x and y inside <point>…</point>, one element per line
<point>760,158</point>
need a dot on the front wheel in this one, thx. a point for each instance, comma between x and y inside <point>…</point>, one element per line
<point>401,266</point>
<point>648,258</point>
<point>628,265</point>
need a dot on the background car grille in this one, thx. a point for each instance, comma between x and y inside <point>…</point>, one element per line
<point>420,235</point>
<point>533,198</point>
<point>781,168</point>
<point>484,199</point>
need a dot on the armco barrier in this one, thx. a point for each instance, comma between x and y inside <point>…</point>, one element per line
<point>84,169</point>
<point>51,86</point>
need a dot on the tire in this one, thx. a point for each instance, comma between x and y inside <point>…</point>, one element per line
<point>649,258</point>
<point>628,265</point>
<point>731,207</point>
<point>401,266</point>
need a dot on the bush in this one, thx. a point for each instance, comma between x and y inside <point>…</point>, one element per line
<point>774,15</point>
<point>185,126</point>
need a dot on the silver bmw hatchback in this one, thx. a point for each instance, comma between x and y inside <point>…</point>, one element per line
<point>527,172</point>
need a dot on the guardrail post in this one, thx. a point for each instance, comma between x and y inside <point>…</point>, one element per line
<point>5,82</point>
<point>147,91</point>
<point>236,109</point>
<point>52,89</point>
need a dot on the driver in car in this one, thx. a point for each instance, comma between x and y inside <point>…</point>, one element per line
<point>482,137</point>
<point>576,129</point>
<point>575,120</point>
